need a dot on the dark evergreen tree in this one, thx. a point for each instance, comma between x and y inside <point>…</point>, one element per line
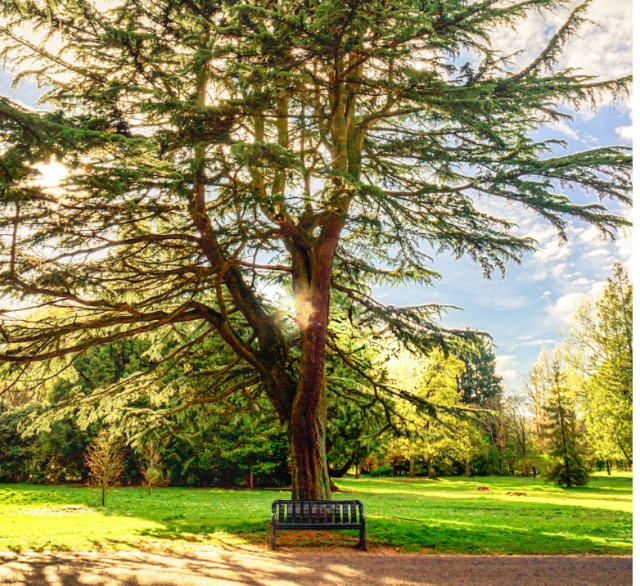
<point>218,147</point>
<point>479,383</point>
<point>15,450</point>
<point>356,428</point>
<point>562,428</point>
<point>234,443</point>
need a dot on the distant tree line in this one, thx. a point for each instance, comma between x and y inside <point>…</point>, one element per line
<point>581,392</point>
<point>238,441</point>
<point>451,413</point>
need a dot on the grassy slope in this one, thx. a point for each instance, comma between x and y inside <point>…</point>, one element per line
<point>445,516</point>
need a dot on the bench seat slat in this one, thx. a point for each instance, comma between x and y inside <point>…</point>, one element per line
<point>320,526</point>
<point>318,515</point>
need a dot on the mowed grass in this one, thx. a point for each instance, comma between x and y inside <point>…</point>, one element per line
<point>443,516</point>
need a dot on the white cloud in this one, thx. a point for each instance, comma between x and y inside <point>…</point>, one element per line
<point>553,251</point>
<point>565,129</point>
<point>624,244</point>
<point>589,235</point>
<point>505,367</point>
<point>602,48</point>
<point>558,271</point>
<point>511,298</point>
<point>565,307</point>
<point>581,281</point>
<point>625,132</point>
<point>598,252</point>
<point>539,342</point>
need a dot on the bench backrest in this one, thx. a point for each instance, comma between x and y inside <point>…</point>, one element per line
<point>320,512</point>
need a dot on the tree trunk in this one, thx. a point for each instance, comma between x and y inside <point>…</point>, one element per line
<point>608,467</point>
<point>311,279</point>
<point>310,472</point>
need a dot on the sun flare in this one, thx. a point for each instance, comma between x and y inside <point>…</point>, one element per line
<point>51,174</point>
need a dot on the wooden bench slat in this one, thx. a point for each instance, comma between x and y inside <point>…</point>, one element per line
<point>318,527</point>
<point>318,515</point>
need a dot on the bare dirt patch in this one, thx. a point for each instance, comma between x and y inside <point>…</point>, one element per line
<point>251,566</point>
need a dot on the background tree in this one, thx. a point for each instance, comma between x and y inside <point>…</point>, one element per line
<point>355,430</point>
<point>151,469</point>
<point>105,461</point>
<point>440,436</point>
<point>56,453</point>
<point>216,148</point>
<point>479,381</point>
<point>15,450</point>
<point>520,430</point>
<point>562,427</point>
<point>359,420</point>
<point>495,431</point>
<point>600,339</point>
<point>537,389</point>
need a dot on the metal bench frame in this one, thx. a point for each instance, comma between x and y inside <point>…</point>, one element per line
<point>318,515</point>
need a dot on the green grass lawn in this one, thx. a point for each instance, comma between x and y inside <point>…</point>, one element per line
<point>443,516</point>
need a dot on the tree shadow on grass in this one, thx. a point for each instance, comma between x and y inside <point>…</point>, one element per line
<point>414,522</point>
<point>254,568</point>
<point>472,536</point>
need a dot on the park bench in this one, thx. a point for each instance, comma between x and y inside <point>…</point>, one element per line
<point>318,515</point>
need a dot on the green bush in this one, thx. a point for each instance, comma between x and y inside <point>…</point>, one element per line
<point>381,471</point>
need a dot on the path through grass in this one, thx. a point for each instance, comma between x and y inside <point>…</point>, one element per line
<point>443,516</point>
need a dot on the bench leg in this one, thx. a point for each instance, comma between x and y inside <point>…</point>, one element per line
<point>273,536</point>
<point>363,538</point>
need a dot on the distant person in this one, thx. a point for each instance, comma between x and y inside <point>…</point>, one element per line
<point>472,472</point>
<point>534,471</point>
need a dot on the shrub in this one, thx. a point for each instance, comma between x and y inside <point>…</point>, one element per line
<point>381,471</point>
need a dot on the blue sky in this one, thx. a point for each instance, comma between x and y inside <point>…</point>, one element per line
<point>531,307</point>
<point>533,304</point>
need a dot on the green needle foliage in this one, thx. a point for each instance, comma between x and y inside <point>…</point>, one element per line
<point>562,428</point>
<point>479,383</point>
<point>217,149</point>
<point>601,344</point>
